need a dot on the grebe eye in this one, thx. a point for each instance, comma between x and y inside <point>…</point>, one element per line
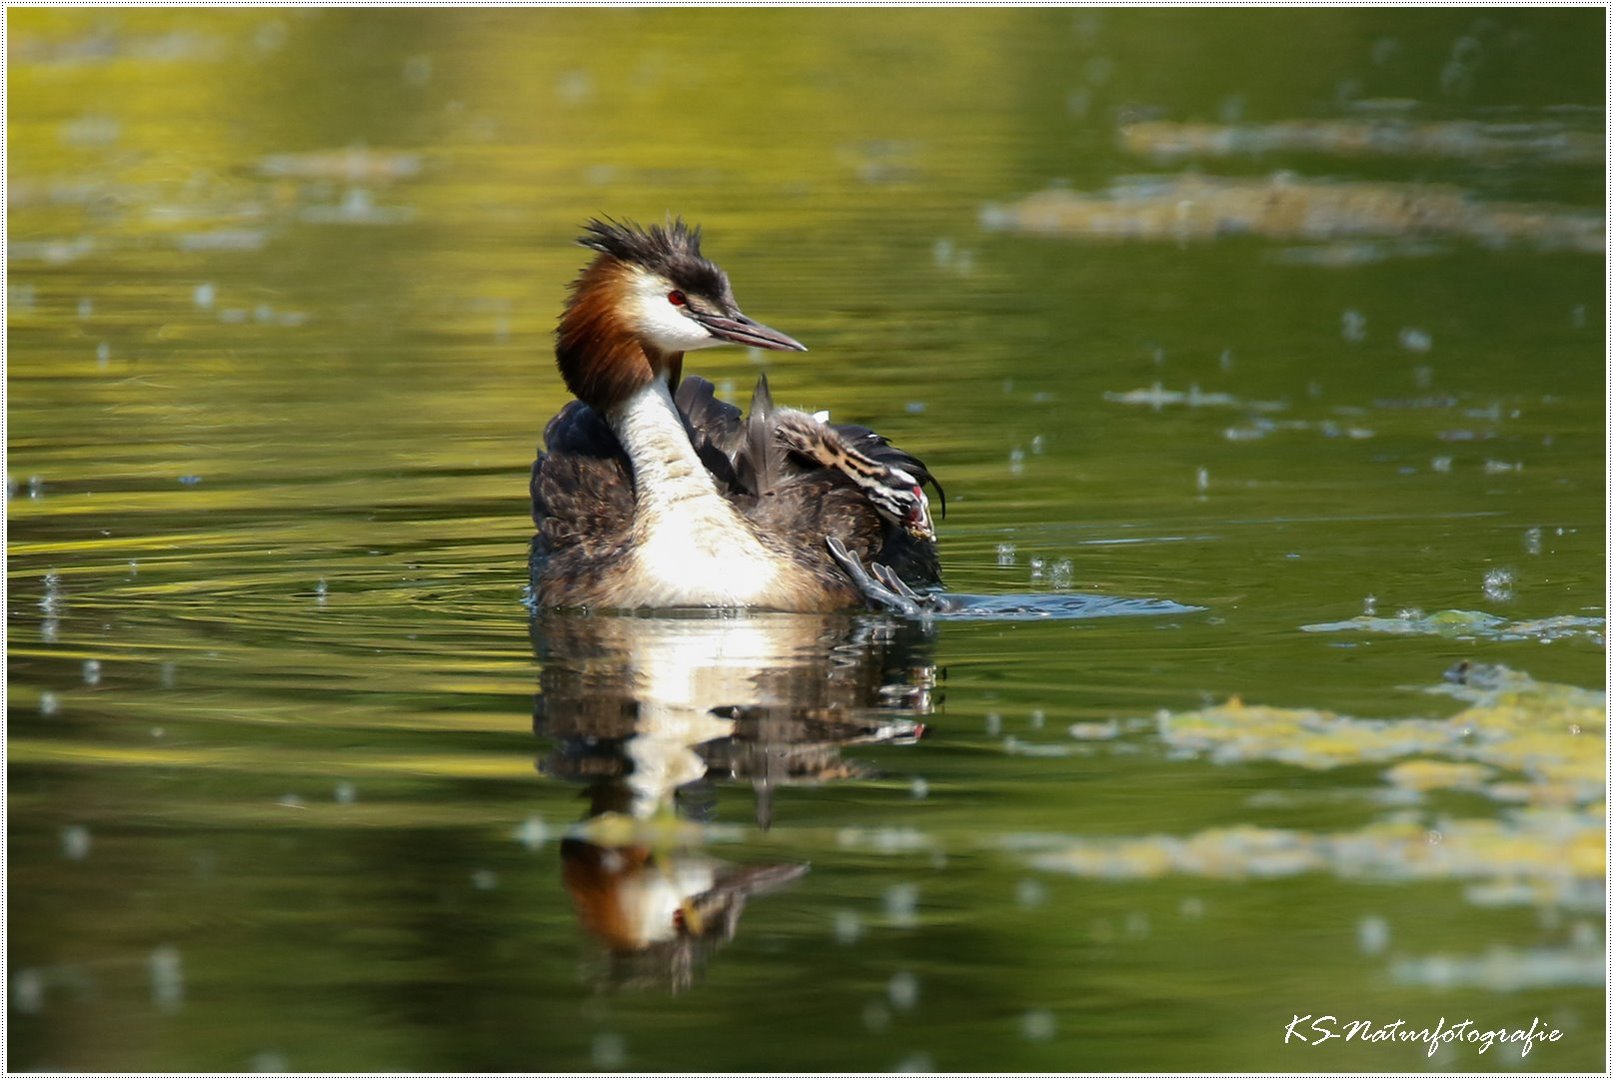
<point>676,299</point>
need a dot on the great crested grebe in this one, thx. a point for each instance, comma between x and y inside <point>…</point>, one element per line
<point>654,494</point>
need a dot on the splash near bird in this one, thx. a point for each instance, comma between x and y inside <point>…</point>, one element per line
<point>654,494</point>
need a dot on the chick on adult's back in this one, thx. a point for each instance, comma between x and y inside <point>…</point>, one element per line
<point>655,494</point>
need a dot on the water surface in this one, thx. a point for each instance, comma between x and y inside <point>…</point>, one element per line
<point>296,782</point>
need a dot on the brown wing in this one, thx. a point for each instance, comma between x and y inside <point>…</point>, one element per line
<point>798,498</point>
<point>582,500</point>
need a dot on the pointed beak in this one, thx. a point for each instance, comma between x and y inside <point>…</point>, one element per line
<point>746,331</point>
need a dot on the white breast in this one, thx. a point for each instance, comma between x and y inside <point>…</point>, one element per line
<point>689,555</point>
<point>692,548</point>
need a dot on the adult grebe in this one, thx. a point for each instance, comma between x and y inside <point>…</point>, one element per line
<point>655,494</point>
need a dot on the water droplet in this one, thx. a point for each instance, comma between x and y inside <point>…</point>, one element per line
<point>1354,326</point>
<point>27,991</point>
<point>901,904</point>
<point>609,1050</point>
<point>92,673</point>
<point>1062,574</point>
<point>532,833</point>
<point>167,978</point>
<point>1005,554</point>
<point>903,990</point>
<point>920,788</point>
<point>417,70</point>
<point>1372,935</point>
<point>1037,1025</point>
<point>1202,479</point>
<point>75,842</point>
<point>1498,584</point>
<point>1531,541</point>
<point>847,927</point>
<point>1414,340</point>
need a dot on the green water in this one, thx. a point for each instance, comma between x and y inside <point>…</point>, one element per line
<point>294,782</point>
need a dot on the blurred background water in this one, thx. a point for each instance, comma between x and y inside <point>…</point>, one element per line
<point>1283,329</point>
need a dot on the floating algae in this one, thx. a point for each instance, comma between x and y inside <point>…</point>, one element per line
<point>1546,739</point>
<point>1473,624</point>
<point>1560,861</point>
<point>1537,750</point>
<point>1463,140</point>
<point>1193,207</point>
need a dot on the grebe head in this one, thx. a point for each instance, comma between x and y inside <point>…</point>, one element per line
<point>675,298</point>
<point>648,298</point>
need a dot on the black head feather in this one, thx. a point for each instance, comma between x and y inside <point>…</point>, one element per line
<point>673,252</point>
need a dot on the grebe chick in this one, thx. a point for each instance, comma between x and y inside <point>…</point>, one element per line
<point>655,494</point>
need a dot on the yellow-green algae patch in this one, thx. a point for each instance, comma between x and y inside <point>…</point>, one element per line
<point>1545,742</point>
<point>1435,775</point>
<point>1472,625</point>
<point>1195,207</point>
<point>1536,749</point>
<point>1540,857</point>
<point>1464,140</point>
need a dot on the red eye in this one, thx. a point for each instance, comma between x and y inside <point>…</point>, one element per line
<point>676,299</point>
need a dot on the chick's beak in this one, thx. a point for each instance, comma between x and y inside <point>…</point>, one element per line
<point>742,330</point>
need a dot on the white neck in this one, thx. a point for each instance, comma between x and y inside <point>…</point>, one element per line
<point>666,469</point>
<point>692,546</point>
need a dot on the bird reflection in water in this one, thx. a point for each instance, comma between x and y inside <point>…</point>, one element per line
<point>651,715</point>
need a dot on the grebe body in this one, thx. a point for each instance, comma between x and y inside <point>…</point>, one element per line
<point>652,493</point>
